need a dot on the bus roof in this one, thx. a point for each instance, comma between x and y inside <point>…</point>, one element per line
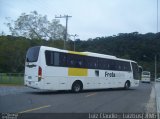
<point>99,55</point>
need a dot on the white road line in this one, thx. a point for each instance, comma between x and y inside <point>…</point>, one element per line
<point>90,94</point>
<point>33,109</point>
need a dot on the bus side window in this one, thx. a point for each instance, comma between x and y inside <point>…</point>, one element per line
<point>127,66</point>
<point>103,64</point>
<point>52,58</point>
<point>70,60</point>
<point>112,64</point>
<point>56,58</point>
<point>123,66</point>
<point>118,66</point>
<point>49,58</point>
<point>100,64</point>
<point>93,62</point>
<point>63,60</point>
<point>80,61</point>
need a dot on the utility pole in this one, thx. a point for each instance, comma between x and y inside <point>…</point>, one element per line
<point>155,68</point>
<point>157,16</point>
<point>156,54</point>
<point>66,17</point>
<point>74,41</point>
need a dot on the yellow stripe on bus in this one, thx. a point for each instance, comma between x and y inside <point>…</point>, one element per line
<point>77,53</point>
<point>77,72</point>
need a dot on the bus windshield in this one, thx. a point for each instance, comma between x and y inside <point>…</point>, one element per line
<point>32,54</point>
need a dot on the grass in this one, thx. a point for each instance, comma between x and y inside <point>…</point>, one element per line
<point>11,79</point>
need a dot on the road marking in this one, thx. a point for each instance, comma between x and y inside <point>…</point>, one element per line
<point>90,94</point>
<point>38,108</point>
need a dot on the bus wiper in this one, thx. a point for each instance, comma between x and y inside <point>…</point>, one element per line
<point>31,66</point>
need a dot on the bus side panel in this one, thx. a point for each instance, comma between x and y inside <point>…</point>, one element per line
<point>56,78</point>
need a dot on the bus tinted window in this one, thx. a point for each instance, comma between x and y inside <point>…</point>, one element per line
<point>70,60</point>
<point>32,54</point>
<point>80,61</point>
<point>91,62</point>
<point>102,64</point>
<point>56,59</point>
<point>49,58</point>
<point>52,58</point>
<point>75,61</point>
<point>123,66</point>
<point>112,64</point>
<point>63,59</point>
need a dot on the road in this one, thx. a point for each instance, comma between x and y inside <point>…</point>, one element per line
<point>26,100</point>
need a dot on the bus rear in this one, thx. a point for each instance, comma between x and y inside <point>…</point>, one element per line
<point>146,76</point>
<point>33,71</point>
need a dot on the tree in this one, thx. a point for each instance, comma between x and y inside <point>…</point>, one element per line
<point>36,26</point>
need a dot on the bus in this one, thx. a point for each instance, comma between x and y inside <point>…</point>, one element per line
<point>51,68</point>
<point>146,76</point>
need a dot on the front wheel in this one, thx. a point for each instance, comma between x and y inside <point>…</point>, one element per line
<point>127,85</point>
<point>76,87</point>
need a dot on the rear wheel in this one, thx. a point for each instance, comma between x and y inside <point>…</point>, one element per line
<point>76,87</point>
<point>127,85</point>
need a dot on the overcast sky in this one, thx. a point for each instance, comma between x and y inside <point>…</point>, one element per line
<point>90,18</point>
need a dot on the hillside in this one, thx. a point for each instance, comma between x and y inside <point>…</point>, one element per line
<point>139,47</point>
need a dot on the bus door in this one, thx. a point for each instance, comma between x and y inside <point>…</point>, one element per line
<point>135,71</point>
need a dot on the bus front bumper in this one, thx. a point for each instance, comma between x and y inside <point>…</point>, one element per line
<point>135,83</point>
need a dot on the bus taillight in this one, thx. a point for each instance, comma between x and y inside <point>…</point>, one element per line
<point>39,73</point>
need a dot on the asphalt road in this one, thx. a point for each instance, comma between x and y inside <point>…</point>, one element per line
<point>26,100</point>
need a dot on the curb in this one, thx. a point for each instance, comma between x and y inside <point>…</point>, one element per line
<point>10,85</point>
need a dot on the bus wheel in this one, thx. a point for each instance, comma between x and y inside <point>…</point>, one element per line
<point>76,87</point>
<point>127,85</point>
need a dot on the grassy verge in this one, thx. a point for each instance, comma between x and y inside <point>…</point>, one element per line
<point>11,79</point>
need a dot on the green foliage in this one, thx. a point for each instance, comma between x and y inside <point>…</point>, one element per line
<point>12,53</point>
<point>13,50</point>
<point>139,47</point>
<point>36,26</point>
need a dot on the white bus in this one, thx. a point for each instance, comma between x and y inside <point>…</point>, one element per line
<point>146,76</point>
<point>55,69</point>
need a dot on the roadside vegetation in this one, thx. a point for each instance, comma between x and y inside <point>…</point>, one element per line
<point>12,78</point>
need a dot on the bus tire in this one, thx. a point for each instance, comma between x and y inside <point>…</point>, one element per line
<point>127,85</point>
<point>77,87</point>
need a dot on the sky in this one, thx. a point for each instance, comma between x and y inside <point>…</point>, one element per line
<point>90,18</point>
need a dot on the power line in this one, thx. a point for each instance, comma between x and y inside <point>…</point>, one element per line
<point>66,17</point>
